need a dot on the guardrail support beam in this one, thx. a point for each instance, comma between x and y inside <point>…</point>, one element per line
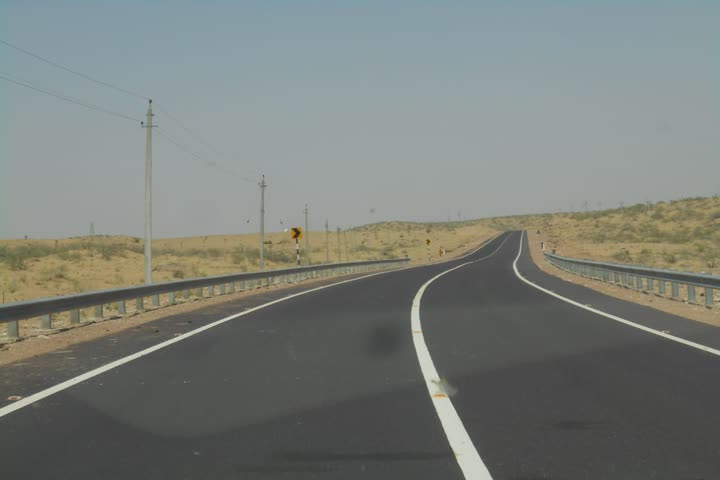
<point>709,297</point>
<point>12,329</point>
<point>46,322</point>
<point>75,316</point>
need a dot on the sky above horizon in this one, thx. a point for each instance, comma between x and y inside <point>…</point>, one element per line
<point>366,111</point>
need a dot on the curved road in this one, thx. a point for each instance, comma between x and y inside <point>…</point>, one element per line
<point>331,384</point>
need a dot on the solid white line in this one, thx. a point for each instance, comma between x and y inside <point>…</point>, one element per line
<point>659,333</point>
<point>466,454</point>
<point>93,373</point>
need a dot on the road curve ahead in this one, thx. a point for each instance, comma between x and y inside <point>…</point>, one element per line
<point>418,373</point>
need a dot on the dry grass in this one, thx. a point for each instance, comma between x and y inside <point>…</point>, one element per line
<point>682,235</point>
<point>679,235</point>
<point>41,268</point>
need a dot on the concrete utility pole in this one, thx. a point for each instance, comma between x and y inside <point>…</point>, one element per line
<point>148,194</point>
<point>327,242</point>
<point>347,254</point>
<point>262,185</point>
<point>307,237</point>
<point>339,248</point>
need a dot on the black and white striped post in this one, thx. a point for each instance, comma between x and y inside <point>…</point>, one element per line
<point>296,233</point>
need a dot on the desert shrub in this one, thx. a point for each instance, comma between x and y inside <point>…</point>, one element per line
<point>70,256</point>
<point>669,257</point>
<point>622,256</point>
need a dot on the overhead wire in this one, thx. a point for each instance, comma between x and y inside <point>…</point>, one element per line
<point>89,105</point>
<point>66,98</point>
<point>74,72</point>
<point>194,134</point>
<point>169,137</point>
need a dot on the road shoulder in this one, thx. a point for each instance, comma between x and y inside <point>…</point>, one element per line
<point>697,313</point>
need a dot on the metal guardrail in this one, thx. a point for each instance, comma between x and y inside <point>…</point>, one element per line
<point>45,308</point>
<point>645,279</point>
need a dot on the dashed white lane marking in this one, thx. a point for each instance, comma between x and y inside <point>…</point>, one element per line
<point>659,333</point>
<point>466,454</point>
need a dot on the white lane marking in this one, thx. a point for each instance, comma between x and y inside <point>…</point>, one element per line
<point>659,333</point>
<point>466,454</point>
<point>93,373</point>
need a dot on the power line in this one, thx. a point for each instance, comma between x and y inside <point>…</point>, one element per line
<point>198,158</point>
<point>74,72</point>
<point>192,133</point>
<point>66,98</point>
<point>195,135</point>
<point>188,130</point>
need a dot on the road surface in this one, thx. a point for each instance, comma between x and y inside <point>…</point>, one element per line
<point>337,383</point>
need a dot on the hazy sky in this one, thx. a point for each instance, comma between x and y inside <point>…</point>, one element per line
<point>415,109</point>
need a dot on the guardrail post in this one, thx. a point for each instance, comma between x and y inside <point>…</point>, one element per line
<point>199,292</point>
<point>171,298</point>
<point>13,331</point>
<point>98,311</point>
<point>638,282</point>
<point>691,293</point>
<point>121,307</point>
<point>75,316</point>
<point>186,294</point>
<point>46,322</point>
<point>140,304</point>
<point>708,297</point>
<point>232,287</point>
<point>156,300</point>
<point>674,290</point>
<point>661,287</point>
<point>222,289</point>
<point>650,284</point>
<point>211,290</point>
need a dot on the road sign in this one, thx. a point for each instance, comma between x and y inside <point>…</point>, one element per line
<point>427,242</point>
<point>296,232</point>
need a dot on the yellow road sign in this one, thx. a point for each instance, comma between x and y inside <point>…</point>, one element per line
<point>296,232</point>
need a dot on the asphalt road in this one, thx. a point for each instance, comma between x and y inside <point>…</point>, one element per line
<point>328,385</point>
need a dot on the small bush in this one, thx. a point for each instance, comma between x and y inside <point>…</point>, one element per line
<point>657,216</point>
<point>622,256</point>
<point>669,257</point>
<point>70,256</point>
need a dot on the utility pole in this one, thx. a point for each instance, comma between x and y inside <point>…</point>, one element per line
<point>339,249</point>
<point>92,229</point>
<point>262,185</point>
<point>307,237</point>
<point>327,242</point>
<point>148,193</point>
<point>347,255</point>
